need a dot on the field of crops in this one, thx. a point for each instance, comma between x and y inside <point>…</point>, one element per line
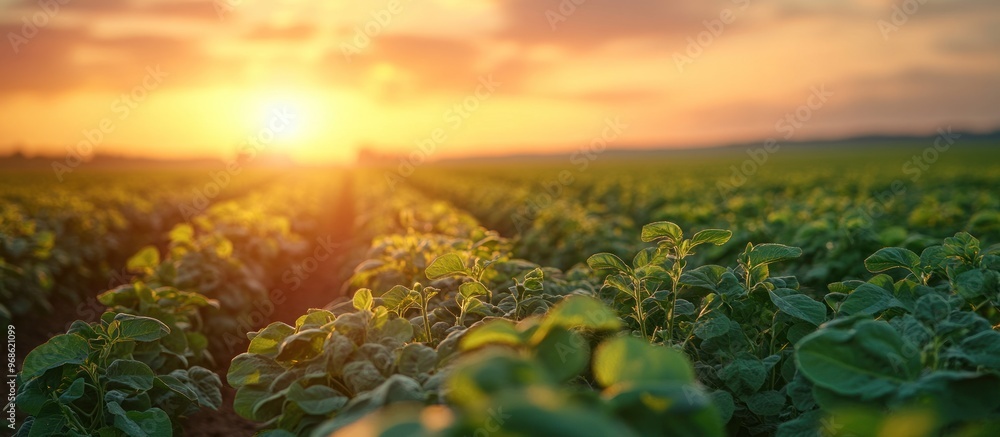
<point>814,292</point>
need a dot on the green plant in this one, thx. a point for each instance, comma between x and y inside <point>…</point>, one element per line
<point>90,381</point>
<point>293,378</point>
<point>513,381</point>
<point>932,349</point>
<point>738,323</point>
<point>653,268</point>
<point>186,344</point>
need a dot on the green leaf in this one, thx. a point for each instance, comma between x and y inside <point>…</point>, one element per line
<point>247,397</point>
<point>607,261</point>
<point>445,265</point>
<point>744,376</point>
<point>396,297</point>
<point>579,312</point>
<point>73,392</point>
<point>207,385</point>
<point>662,230</point>
<point>140,328</point>
<point>302,346</point>
<point>363,300</point>
<point>766,403</point>
<point>868,360</point>
<point>711,327</point>
<point>153,422</point>
<point>800,306</point>
<point>764,254</point>
<point>398,328</point>
<point>362,376</point>
<point>470,289</point>
<point>59,350</point>
<point>629,359</point>
<point>564,353</point>
<point>868,299</point>
<point>500,331</point>
<point>970,284</point>
<point>267,340</point>
<point>317,399</point>
<point>983,349</point>
<point>182,233</point>
<point>416,359</point>
<point>723,402</point>
<point>252,369</point>
<point>891,258</point>
<point>717,237</point>
<point>132,374</point>
<point>145,260</point>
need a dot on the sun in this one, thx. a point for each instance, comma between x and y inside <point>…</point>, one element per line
<point>290,118</point>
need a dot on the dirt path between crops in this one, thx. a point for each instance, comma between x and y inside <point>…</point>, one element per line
<point>317,289</point>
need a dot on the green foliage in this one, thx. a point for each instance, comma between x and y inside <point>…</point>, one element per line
<point>520,389</point>
<point>93,381</point>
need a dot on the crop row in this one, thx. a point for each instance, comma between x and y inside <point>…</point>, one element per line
<point>838,213</point>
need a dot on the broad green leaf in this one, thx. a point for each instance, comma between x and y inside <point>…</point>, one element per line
<point>140,328</point>
<point>717,237</point>
<point>396,297</point>
<point>607,261</point>
<point>302,346</point>
<point>416,359</point>
<point>179,385</point>
<point>267,340</point>
<point>363,300</point>
<point>712,326</point>
<point>955,396</point>
<point>764,254</point>
<point>578,312</point>
<point>983,349</point>
<point>247,397</point>
<point>800,306</point>
<point>73,392</point>
<point>362,376</point>
<point>661,230</point>
<point>59,350</point>
<point>445,265</point>
<point>314,318</point>
<point>145,260</point>
<point>470,289</point>
<point>132,374</point>
<point>893,257</point>
<point>744,376</point>
<point>564,353</point>
<point>868,299</point>
<point>629,359</point>
<point>869,360</point>
<point>500,331</point>
<point>182,233</point>
<point>207,385</point>
<point>253,369</point>
<point>398,328</point>
<point>970,284</point>
<point>723,402</point>
<point>766,403</point>
<point>317,399</point>
<point>479,376</point>
<point>665,409</point>
<point>153,422</point>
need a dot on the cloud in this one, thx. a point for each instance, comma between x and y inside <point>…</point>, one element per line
<point>60,59</point>
<point>597,22</point>
<point>286,33</point>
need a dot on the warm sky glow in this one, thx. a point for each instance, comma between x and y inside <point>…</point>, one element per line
<point>225,70</point>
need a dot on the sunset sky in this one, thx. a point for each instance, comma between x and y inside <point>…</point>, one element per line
<point>185,78</point>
